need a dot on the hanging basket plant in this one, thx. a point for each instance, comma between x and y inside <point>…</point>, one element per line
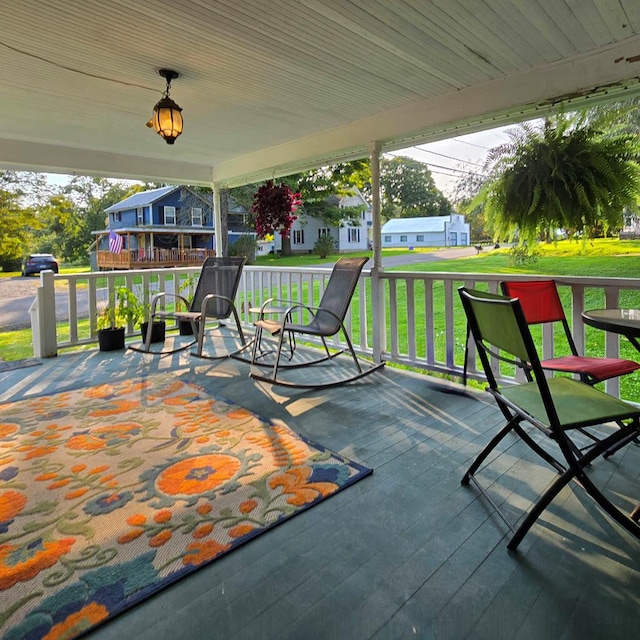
<point>274,207</point>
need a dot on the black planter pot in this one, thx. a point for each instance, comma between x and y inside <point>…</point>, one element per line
<point>111,339</point>
<point>184,327</point>
<point>157,330</point>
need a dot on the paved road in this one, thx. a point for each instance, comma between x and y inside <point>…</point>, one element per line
<point>17,294</point>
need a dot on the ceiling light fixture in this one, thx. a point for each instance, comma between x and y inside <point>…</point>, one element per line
<point>167,115</point>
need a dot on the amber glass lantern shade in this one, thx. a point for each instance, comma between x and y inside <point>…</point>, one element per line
<point>167,115</point>
<point>167,119</point>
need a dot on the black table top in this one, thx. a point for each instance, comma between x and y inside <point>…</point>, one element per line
<point>623,321</point>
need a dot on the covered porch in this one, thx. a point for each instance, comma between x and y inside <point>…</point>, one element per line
<point>406,552</point>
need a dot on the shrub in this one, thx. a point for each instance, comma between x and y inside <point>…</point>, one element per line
<point>324,246</point>
<point>244,246</point>
<point>521,256</point>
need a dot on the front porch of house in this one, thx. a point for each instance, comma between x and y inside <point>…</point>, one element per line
<point>152,258</point>
<point>406,552</point>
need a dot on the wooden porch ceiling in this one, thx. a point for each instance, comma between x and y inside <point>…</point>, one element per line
<point>268,88</point>
<point>406,552</point>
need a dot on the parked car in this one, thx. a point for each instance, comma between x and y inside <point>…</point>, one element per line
<point>37,262</point>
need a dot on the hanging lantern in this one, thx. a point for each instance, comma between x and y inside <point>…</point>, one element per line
<point>167,115</point>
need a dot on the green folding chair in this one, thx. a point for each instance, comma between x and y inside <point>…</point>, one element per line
<point>557,406</point>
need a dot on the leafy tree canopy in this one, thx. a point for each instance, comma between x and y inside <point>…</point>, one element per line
<point>409,191</point>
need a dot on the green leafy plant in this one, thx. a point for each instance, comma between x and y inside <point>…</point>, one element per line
<point>569,173</point>
<point>324,246</point>
<point>122,309</point>
<point>245,246</point>
<point>521,256</point>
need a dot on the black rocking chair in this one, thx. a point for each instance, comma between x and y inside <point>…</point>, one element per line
<point>213,300</point>
<point>326,320</point>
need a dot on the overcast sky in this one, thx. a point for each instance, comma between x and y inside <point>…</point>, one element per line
<point>445,157</point>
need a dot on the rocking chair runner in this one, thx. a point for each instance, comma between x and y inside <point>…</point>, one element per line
<point>213,299</point>
<point>556,406</point>
<point>326,321</point>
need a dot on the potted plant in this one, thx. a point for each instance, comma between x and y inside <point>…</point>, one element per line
<point>187,289</point>
<point>158,328</point>
<point>122,309</point>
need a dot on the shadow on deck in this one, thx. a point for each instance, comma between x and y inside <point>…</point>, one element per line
<point>406,552</point>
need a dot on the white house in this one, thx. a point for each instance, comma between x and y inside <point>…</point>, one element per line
<point>434,231</point>
<point>306,230</point>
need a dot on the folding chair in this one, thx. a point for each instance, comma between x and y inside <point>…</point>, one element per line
<point>213,299</point>
<point>541,304</point>
<point>326,320</point>
<point>555,406</point>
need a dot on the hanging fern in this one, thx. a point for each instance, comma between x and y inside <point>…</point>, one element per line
<point>568,173</point>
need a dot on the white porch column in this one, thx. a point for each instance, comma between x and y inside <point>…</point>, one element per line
<point>217,219</point>
<point>43,318</point>
<point>377,296</point>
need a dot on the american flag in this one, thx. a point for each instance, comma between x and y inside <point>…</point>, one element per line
<point>115,242</point>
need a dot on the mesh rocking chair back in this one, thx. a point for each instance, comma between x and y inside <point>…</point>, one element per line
<point>326,320</point>
<point>213,299</point>
<point>222,277</point>
<point>558,407</point>
<point>541,304</point>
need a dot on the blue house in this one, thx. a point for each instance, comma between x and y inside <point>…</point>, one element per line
<point>170,226</point>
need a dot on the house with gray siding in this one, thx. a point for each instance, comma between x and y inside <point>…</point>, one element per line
<point>433,231</point>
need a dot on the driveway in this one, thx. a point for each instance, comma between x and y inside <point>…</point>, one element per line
<point>17,295</point>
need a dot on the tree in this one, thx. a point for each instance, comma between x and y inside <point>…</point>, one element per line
<point>409,191</point>
<point>90,197</point>
<point>18,191</point>
<point>571,172</point>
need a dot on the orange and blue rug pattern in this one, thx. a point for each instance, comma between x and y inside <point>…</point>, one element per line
<point>110,493</point>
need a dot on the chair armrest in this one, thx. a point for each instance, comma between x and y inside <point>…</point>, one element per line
<point>163,294</point>
<point>208,298</point>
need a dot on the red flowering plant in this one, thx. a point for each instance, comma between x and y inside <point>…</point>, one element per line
<point>274,206</point>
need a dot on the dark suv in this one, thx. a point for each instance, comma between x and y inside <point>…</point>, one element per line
<point>37,262</point>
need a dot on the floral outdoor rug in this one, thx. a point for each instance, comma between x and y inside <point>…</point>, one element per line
<point>110,493</point>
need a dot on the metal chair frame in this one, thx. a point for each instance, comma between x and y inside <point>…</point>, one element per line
<point>327,320</point>
<point>555,406</point>
<point>206,304</point>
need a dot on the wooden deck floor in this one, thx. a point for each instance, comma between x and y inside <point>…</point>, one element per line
<point>406,552</point>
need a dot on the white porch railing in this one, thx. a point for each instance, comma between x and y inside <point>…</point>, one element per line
<point>422,324</point>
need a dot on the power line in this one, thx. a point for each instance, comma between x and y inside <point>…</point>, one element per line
<point>439,166</point>
<point>444,155</point>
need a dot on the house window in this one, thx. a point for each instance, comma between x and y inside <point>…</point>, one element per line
<point>403,238</point>
<point>354,234</point>
<point>117,217</point>
<point>324,232</point>
<point>419,238</point>
<point>298,236</point>
<point>196,217</point>
<point>169,215</point>
<point>140,215</point>
<point>387,238</point>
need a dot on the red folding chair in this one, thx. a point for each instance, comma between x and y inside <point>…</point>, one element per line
<point>541,304</point>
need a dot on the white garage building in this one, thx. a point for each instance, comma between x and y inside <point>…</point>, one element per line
<point>434,231</point>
